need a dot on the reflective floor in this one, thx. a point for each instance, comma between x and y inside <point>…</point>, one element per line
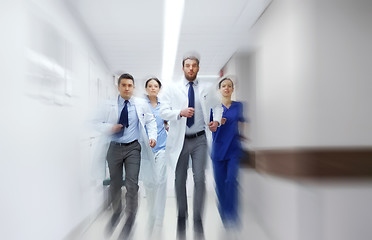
<point>213,228</point>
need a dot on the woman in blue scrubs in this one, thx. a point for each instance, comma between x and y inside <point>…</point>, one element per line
<point>226,152</point>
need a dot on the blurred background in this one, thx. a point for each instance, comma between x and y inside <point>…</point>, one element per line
<point>302,68</point>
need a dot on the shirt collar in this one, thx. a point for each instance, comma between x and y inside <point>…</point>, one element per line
<point>122,100</point>
<point>148,99</point>
<point>186,82</point>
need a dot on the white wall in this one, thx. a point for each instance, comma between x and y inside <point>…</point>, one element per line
<point>307,210</point>
<point>51,76</point>
<point>278,47</point>
<point>344,42</point>
<point>312,74</point>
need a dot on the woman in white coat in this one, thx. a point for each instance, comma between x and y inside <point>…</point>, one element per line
<point>155,180</point>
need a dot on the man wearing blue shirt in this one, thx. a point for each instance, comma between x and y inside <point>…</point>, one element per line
<point>124,123</point>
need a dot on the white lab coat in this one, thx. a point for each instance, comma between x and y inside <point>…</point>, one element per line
<point>173,99</point>
<point>107,116</point>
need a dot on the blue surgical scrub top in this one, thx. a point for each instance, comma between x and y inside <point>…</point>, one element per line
<point>226,140</point>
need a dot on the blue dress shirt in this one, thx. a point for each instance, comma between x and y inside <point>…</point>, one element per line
<point>132,132</point>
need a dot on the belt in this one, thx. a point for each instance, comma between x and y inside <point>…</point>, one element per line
<point>124,144</point>
<point>195,134</point>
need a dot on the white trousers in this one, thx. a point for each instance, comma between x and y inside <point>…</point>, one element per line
<point>156,190</point>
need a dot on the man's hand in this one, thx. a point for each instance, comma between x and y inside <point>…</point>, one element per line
<point>187,112</point>
<point>213,126</point>
<point>152,143</point>
<point>116,128</point>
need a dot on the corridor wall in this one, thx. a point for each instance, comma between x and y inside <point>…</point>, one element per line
<point>52,76</point>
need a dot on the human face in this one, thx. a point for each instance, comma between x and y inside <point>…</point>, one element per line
<point>191,69</point>
<point>152,88</point>
<point>126,88</point>
<point>226,88</point>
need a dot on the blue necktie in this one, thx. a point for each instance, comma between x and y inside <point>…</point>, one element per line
<point>190,120</point>
<point>123,120</point>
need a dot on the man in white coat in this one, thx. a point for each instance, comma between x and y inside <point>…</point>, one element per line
<point>187,107</point>
<point>124,121</point>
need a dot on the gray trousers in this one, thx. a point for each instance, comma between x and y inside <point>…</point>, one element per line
<point>130,156</point>
<point>197,149</point>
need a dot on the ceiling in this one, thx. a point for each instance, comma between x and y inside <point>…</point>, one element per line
<point>129,34</point>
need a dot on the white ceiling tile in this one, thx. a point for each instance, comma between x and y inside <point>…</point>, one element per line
<point>129,34</point>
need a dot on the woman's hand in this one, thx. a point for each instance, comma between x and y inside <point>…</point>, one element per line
<point>152,143</point>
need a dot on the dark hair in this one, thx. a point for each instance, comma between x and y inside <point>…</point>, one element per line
<point>191,58</point>
<point>226,78</point>
<point>125,76</point>
<point>154,78</point>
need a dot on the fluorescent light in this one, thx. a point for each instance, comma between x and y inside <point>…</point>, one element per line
<point>172,25</point>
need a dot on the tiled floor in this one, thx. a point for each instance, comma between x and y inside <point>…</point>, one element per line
<point>212,224</point>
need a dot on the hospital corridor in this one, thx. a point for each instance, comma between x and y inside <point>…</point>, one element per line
<point>186,119</point>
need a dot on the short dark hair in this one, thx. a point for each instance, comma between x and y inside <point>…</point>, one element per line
<point>191,58</point>
<point>125,76</point>
<point>155,79</point>
<point>226,78</point>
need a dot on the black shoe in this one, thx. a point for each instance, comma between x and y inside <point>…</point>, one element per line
<point>115,218</point>
<point>181,228</point>
<point>198,229</point>
<point>125,232</point>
